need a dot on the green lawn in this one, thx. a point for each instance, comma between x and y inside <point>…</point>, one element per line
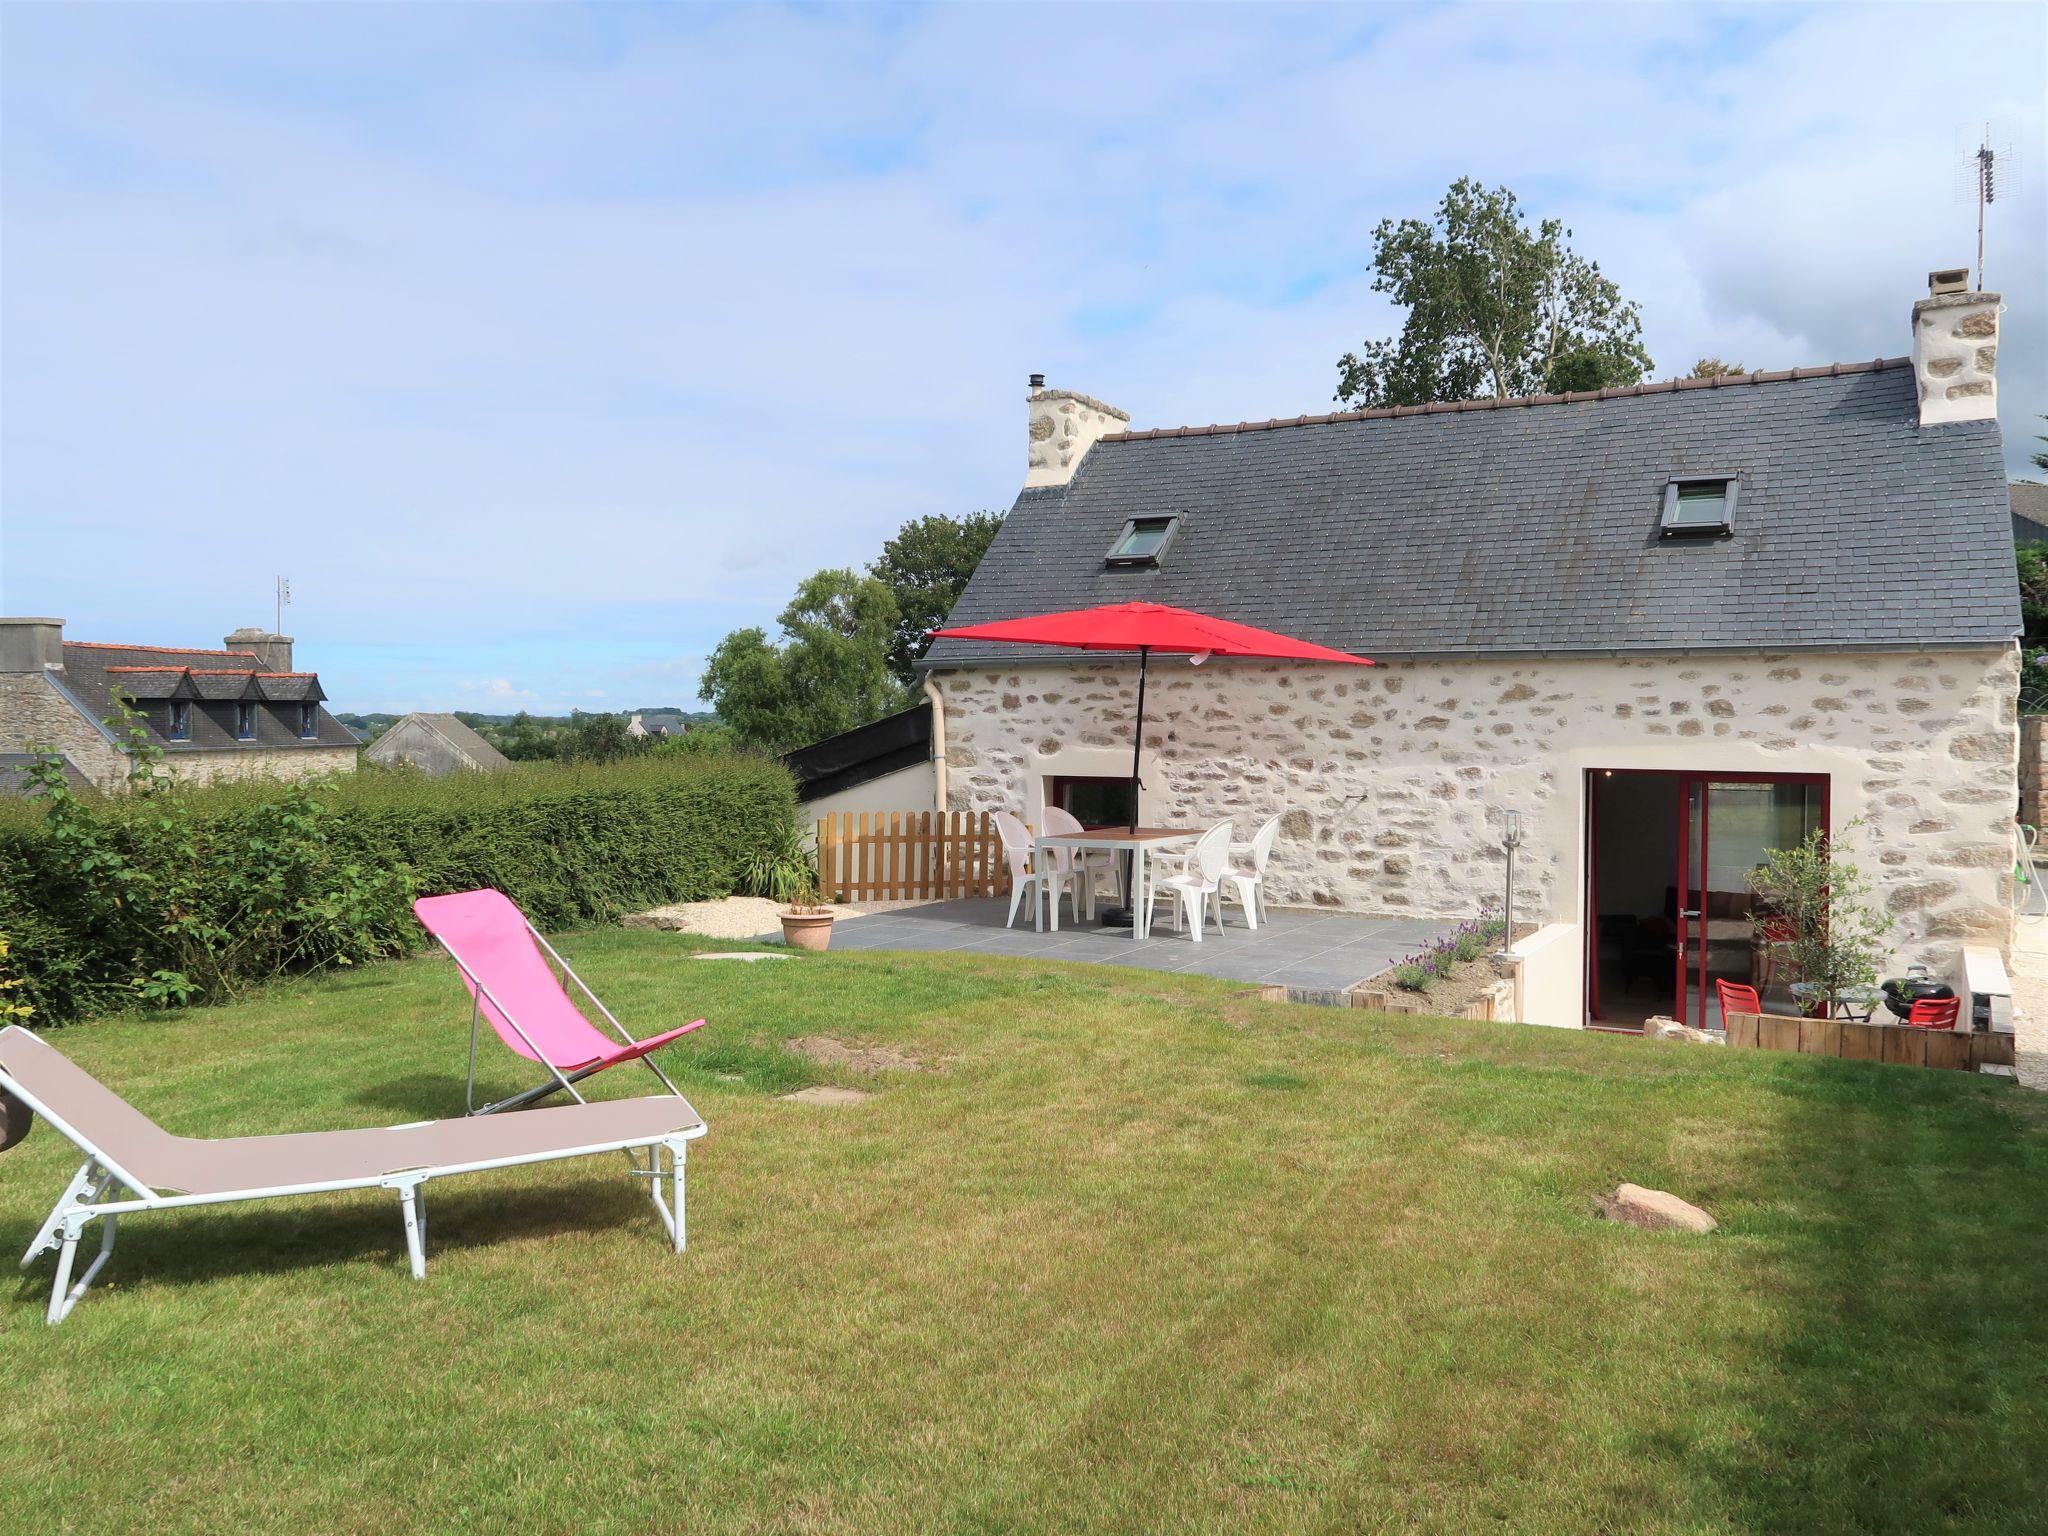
<point>1140,1254</point>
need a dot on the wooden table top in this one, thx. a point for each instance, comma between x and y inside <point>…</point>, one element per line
<point>1121,835</point>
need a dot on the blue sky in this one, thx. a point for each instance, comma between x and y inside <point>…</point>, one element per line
<point>541,345</point>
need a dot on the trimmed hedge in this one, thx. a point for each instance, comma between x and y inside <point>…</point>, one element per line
<point>573,844</point>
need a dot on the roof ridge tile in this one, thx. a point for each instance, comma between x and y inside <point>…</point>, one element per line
<point>1570,397</point>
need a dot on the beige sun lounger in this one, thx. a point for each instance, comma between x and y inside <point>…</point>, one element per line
<point>164,1172</point>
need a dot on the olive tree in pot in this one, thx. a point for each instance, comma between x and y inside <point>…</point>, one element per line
<point>783,871</point>
<point>1815,905</point>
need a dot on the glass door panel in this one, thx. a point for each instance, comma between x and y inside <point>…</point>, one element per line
<point>1733,825</point>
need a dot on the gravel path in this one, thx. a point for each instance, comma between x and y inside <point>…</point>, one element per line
<point>740,917</point>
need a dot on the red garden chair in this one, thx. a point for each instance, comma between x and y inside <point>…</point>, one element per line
<point>1935,1013</point>
<point>1736,998</point>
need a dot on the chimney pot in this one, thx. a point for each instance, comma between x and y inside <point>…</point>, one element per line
<point>1038,381</point>
<point>1948,280</point>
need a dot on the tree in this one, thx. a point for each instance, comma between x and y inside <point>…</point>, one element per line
<point>598,739</point>
<point>926,566</point>
<point>830,672</point>
<point>1494,309</point>
<point>1714,368</point>
<point>2041,459</point>
<point>1838,940</point>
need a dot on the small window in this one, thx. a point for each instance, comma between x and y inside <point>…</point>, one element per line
<point>309,721</point>
<point>1699,505</point>
<point>181,720</point>
<point>1143,541</point>
<point>245,722</point>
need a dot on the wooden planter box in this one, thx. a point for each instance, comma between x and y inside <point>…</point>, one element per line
<point>1381,1001</point>
<point>1896,1043</point>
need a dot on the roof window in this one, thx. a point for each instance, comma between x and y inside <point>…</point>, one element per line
<point>1143,541</point>
<point>1699,506</point>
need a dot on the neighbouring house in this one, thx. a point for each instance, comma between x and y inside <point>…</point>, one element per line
<point>2029,512</point>
<point>885,766</point>
<point>1671,626</point>
<point>659,724</point>
<point>435,744</point>
<point>236,713</point>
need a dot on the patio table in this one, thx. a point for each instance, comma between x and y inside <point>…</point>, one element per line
<point>1117,840</point>
<point>1844,1004</point>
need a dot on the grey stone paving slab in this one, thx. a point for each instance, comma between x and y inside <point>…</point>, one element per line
<point>1317,955</point>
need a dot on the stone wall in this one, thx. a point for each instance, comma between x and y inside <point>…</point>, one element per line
<point>1392,777</point>
<point>235,764</point>
<point>34,712</point>
<point>2033,762</point>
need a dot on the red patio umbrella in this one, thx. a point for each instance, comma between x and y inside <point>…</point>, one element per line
<point>1145,628</point>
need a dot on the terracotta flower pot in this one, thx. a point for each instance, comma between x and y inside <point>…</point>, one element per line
<point>808,927</point>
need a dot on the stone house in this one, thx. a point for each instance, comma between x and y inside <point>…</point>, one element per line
<point>240,712</point>
<point>1670,626</point>
<point>435,744</point>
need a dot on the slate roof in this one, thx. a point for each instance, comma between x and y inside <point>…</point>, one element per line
<point>1532,528</point>
<point>2029,511</point>
<point>461,737</point>
<point>213,682</point>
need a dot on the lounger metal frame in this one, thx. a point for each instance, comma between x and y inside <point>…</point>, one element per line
<point>566,1083</point>
<point>84,1202</point>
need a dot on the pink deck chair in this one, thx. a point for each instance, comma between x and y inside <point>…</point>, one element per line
<point>510,985</point>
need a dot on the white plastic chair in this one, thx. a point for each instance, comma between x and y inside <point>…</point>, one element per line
<point>1250,889</point>
<point>1200,878</point>
<point>1084,862</point>
<point>1025,875</point>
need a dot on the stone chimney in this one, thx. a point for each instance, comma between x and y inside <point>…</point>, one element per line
<point>273,652</point>
<point>1064,426</point>
<point>31,645</point>
<point>1955,350</point>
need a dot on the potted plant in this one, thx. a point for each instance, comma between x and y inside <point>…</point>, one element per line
<point>783,871</point>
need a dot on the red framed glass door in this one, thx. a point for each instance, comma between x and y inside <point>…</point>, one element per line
<point>1732,822</point>
<point>1669,857</point>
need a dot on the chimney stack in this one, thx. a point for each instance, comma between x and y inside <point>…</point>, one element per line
<point>31,645</point>
<point>1955,350</point>
<point>1063,427</point>
<point>273,652</point>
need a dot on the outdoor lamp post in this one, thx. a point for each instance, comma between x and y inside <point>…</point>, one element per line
<point>1510,840</point>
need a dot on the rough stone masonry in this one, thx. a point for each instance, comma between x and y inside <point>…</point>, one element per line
<point>1391,778</point>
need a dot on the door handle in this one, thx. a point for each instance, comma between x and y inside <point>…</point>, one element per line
<point>1683,913</point>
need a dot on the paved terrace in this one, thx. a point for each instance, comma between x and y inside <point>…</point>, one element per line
<point>1315,955</point>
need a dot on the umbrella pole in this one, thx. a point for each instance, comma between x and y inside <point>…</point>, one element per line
<point>1138,735</point>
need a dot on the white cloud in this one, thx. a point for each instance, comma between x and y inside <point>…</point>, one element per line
<point>497,690</point>
<point>577,338</point>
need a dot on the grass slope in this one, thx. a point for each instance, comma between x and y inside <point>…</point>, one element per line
<point>1144,1256</point>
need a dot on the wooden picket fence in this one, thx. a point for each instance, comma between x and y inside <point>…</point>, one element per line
<point>910,856</point>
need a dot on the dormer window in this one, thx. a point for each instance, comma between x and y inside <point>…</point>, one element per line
<point>180,721</point>
<point>1143,541</point>
<point>309,721</point>
<point>1699,506</point>
<point>245,722</point>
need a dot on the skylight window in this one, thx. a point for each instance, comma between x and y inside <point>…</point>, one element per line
<point>1143,541</point>
<point>1699,506</point>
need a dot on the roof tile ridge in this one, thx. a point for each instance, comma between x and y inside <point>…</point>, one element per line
<point>1569,397</point>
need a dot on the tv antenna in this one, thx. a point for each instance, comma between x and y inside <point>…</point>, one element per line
<point>284,597</point>
<point>1984,163</point>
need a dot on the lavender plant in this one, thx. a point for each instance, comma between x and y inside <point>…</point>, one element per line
<point>1463,944</point>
